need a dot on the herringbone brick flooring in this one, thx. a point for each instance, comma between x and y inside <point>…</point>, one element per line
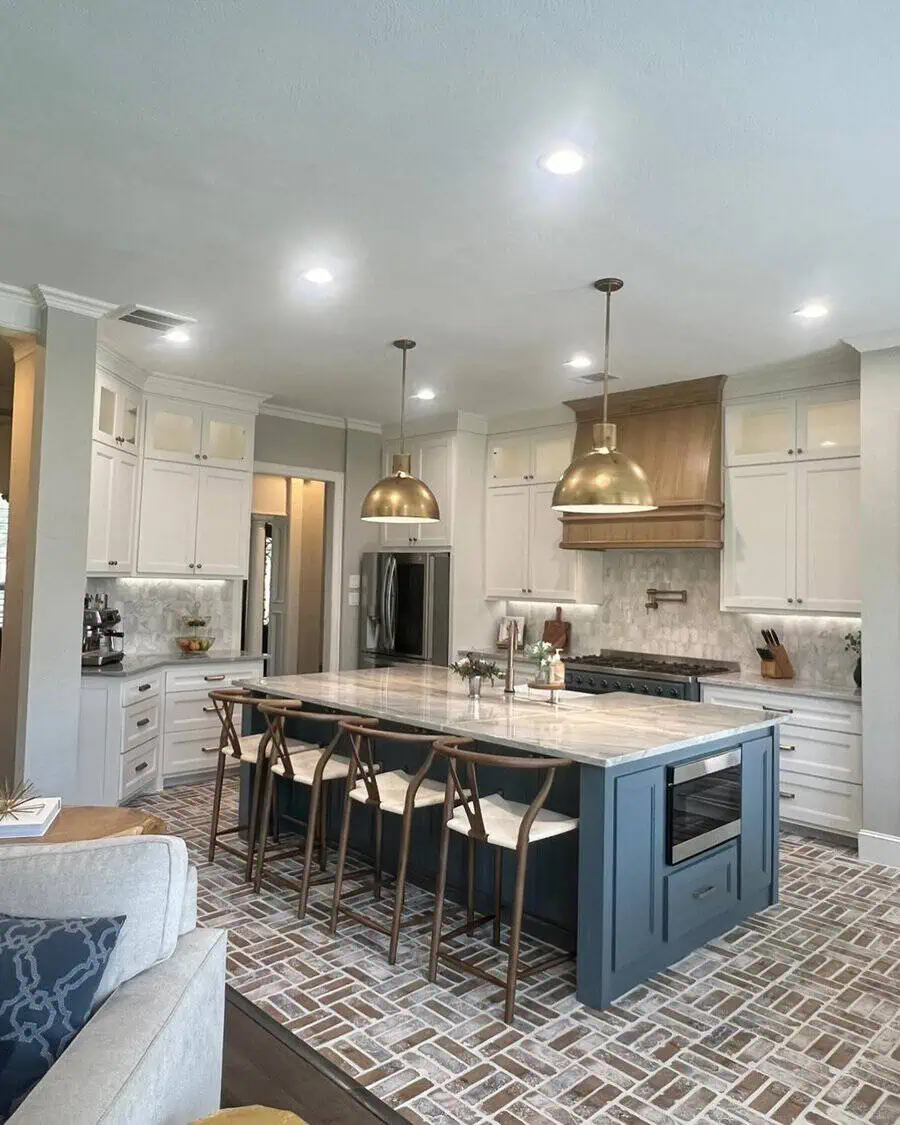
<point>791,1017</point>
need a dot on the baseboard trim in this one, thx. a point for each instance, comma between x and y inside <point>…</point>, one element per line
<point>878,847</point>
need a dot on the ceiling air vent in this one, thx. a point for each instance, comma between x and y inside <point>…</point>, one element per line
<point>155,319</point>
<point>592,378</point>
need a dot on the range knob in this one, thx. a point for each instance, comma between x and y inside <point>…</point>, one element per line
<point>630,686</point>
<point>603,683</point>
<point>645,690</point>
<point>659,691</point>
<point>673,693</point>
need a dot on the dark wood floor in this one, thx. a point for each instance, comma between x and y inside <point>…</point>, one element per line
<point>267,1065</point>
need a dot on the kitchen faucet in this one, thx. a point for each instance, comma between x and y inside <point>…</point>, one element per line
<point>513,634</point>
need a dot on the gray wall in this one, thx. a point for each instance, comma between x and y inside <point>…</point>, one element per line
<point>880,580</point>
<point>285,441</point>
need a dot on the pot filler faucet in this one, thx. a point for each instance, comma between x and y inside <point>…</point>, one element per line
<point>510,656</point>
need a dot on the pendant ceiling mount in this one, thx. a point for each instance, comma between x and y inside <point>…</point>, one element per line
<point>401,497</point>
<point>604,481</point>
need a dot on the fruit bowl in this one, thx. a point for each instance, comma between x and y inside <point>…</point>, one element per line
<point>194,645</point>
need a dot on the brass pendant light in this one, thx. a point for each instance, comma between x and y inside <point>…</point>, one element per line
<point>401,497</point>
<point>604,481</point>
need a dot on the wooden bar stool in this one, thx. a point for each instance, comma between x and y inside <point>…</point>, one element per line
<point>502,824</point>
<point>395,791</point>
<point>308,764</point>
<point>248,748</point>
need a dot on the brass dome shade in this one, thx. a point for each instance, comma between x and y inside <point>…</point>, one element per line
<point>604,481</point>
<point>401,497</point>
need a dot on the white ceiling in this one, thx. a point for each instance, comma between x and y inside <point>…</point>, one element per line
<point>199,156</point>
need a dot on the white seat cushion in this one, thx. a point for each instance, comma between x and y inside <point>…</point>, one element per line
<point>502,819</point>
<point>304,764</point>
<point>250,747</point>
<point>392,789</point>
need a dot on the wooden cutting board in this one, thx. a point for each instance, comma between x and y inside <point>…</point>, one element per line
<point>556,631</point>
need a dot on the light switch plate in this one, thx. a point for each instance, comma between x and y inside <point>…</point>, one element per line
<point>353,597</point>
<point>353,582</point>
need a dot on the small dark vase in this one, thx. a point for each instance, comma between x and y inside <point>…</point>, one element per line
<point>857,672</point>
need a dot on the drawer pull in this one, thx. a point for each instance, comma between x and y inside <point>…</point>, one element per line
<point>780,710</point>
<point>788,749</point>
<point>704,891</point>
<point>210,749</point>
<point>212,707</point>
<point>210,679</point>
<point>142,722</point>
<point>144,687</point>
<point>787,796</point>
<point>143,766</point>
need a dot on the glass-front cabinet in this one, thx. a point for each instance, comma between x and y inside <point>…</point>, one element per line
<point>535,456</point>
<point>828,424</point>
<point>758,433</point>
<point>117,412</point>
<point>189,432</point>
<point>810,426</point>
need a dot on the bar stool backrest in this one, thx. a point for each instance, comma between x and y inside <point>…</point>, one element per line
<point>458,754</point>
<point>224,701</point>
<point>277,711</point>
<point>362,761</point>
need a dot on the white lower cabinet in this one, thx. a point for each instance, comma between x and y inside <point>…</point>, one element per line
<point>523,558</point>
<point>821,753</point>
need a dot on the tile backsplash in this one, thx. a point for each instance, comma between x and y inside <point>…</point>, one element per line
<point>698,628</point>
<point>152,609</point>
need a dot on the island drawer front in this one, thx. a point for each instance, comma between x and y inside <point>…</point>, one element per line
<point>138,769</point>
<point>208,677</point>
<point>194,710</point>
<point>189,752</point>
<point>835,805</point>
<point>141,688</point>
<point>141,724</point>
<point>803,710</point>
<point>695,894</point>
<point>830,755</point>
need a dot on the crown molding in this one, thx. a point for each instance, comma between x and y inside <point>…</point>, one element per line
<point>19,311</point>
<point>364,426</point>
<point>70,302</point>
<point>198,390</point>
<point>312,419</point>
<point>875,341</point>
<point>114,363</point>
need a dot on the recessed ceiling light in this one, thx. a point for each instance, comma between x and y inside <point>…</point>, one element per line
<point>426,394</point>
<point>812,310</point>
<point>563,161</point>
<point>579,361</point>
<point>318,275</point>
<point>177,336</point>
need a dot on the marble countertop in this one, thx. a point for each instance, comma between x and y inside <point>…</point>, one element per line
<point>146,662</point>
<point>596,730</point>
<point>816,689</point>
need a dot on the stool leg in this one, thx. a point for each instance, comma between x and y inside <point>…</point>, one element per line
<point>400,885</point>
<point>259,772</point>
<point>515,933</point>
<point>217,805</point>
<point>439,890</point>
<point>265,813</point>
<point>379,826</point>
<point>498,892</point>
<point>315,796</point>
<point>276,827</point>
<point>341,857</point>
<point>323,847</point>
<point>470,889</point>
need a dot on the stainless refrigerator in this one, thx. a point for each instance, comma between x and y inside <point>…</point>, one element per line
<point>404,608</point>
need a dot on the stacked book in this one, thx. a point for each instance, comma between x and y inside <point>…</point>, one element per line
<point>29,819</point>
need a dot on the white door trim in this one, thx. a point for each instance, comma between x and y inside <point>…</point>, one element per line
<point>334,546</point>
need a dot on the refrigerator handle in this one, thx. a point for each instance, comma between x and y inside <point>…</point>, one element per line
<point>391,616</point>
<point>428,632</point>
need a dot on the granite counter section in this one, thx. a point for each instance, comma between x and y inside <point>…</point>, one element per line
<point>816,690</point>
<point>599,730</point>
<point>140,665</point>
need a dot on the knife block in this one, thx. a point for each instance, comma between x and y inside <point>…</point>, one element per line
<point>780,668</point>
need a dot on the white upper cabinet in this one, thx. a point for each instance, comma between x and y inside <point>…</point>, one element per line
<point>538,456</point>
<point>828,423</point>
<point>223,524</point>
<point>828,536</point>
<point>112,509</point>
<point>117,411</point>
<point>759,433</point>
<point>812,425</point>
<point>227,439</point>
<point>173,430</point>
<point>507,542</point>
<point>432,461</point>
<point>168,525</point>
<point>552,570</point>
<point>759,554</point>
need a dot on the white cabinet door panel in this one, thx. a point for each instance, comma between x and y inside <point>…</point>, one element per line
<point>835,805</point>
<point>103,460</point>
<point>167,539</point>
<point>509,460</point>
<point>552,570</point>
<point>758,433</point>
<point>551,455</point>
<point>122,512</point>
<point>223,524</point>
<point>828,423</point>
<point>227,441</point>
<point>759,563</point>
<point>828,499</point>
<point>434,463</point>
<point>173,430</point>
<point>506,542</point>
<point>821,753</point>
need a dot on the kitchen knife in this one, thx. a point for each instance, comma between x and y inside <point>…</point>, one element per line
<point>774,637</point>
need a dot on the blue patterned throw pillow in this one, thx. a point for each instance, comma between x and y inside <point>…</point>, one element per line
<point>49,973</point>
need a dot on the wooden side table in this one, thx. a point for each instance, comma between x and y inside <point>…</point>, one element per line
<point>95,822</point>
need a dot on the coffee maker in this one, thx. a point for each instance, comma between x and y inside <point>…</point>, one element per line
<point>102,642</point>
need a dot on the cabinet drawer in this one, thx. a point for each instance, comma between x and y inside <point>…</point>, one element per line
<point>191,752</point>
<point>835,805</point>
<point>207,677</point>
<point>142,688</point>
<point>695,894</point>
<point>804,710</point>
<point>195,711</point>
<point>138,769</point>
<point>141,723</point>
<point>830,755</point>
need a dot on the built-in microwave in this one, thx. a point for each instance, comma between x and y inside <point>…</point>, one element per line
<point>703,804</point>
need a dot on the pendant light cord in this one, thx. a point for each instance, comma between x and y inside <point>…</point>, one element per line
<point>403,406</point>
<point>605,359</point>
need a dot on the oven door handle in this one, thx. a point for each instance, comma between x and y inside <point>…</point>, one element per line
<point>703,767</point>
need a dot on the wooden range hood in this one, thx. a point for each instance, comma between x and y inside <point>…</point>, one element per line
<point>674,432</point>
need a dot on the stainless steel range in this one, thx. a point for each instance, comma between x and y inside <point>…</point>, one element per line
<point>672,677</point>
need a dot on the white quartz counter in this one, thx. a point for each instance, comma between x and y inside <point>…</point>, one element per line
<point>596,730</point>
<point>756,682</point>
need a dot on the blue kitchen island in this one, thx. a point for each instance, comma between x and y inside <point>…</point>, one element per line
<point>677,805</point>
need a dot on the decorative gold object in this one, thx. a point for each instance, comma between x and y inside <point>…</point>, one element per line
<point>14,797</point>
<point>401,497</point>
<point>604,481</point>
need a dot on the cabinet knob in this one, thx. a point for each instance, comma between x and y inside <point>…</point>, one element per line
<point>790,601</point>
<point>790,451</point>
<point>197,455</point>
<point>199,566</point>
<point>192,565</point>
<point>203,457</point>
<point>799,601</point>
<point>799,450</point>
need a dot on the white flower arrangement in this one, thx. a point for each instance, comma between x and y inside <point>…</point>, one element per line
<point>540,653</point>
